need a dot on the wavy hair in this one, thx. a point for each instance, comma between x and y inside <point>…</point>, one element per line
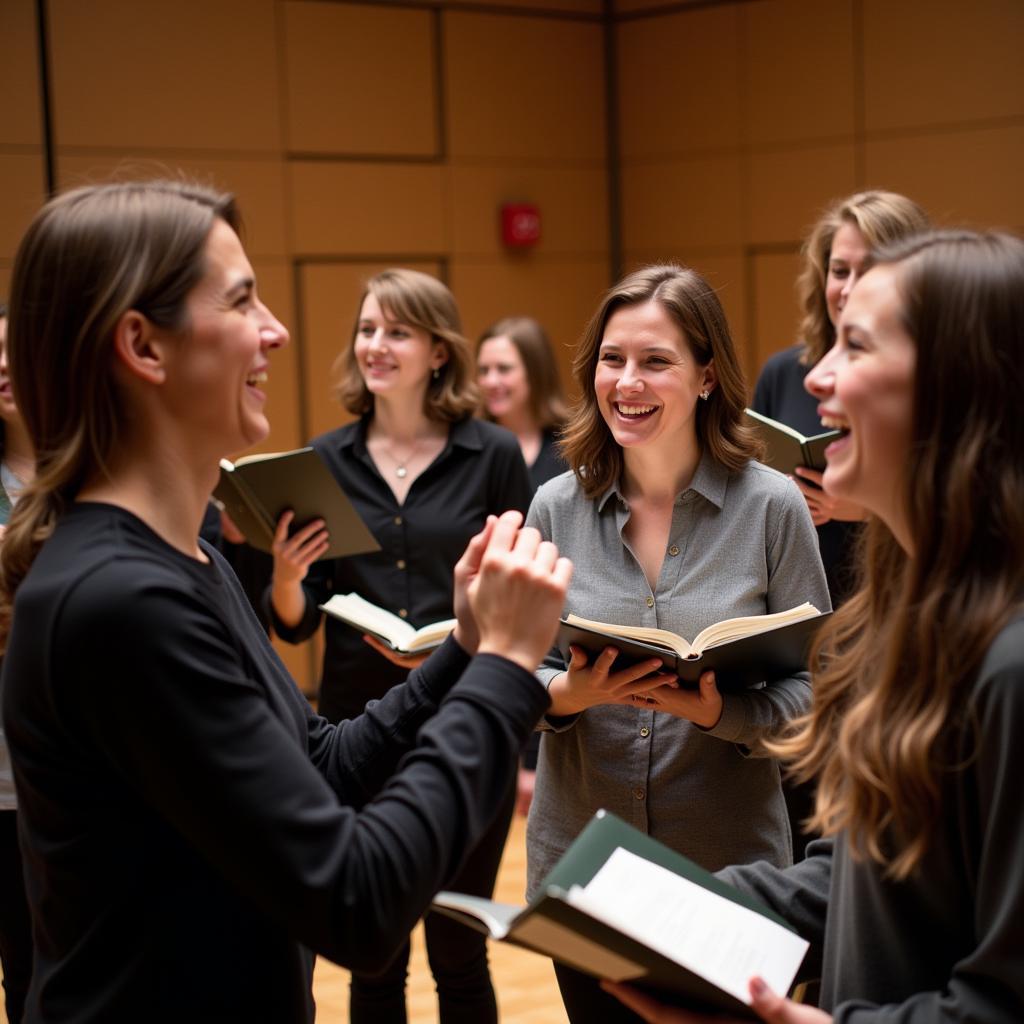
<point>548,408</point>
<point>893,667</point>
<point>417,300</point>
<point>882,218</point>
<point>87,258</point>
<point>693,306</point>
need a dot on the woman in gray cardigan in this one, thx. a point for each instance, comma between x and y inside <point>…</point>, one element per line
<point>670,522</point>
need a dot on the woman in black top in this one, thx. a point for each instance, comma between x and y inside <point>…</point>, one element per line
<point>191,829</point>
<point>521,391</point>
<point>424,475</point>
<point>914,904</point>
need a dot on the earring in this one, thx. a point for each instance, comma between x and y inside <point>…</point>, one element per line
<point>437,373</point>
<point>705,394</point>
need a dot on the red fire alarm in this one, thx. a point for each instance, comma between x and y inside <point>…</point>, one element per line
<point>520,225</point>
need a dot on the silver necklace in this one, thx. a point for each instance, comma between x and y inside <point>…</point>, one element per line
<point>402,465</point>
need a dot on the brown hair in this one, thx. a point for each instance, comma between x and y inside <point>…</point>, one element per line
<point>547,400</point>
<point>88,257</point>
<point>882,218</point>
<point>692,304</point>
<point>418,300</point>
<point>893,667</point>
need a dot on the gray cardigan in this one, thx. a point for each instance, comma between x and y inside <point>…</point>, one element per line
<point>740,544</point>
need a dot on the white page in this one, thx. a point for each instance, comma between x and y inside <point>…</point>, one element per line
<point>720,940</point>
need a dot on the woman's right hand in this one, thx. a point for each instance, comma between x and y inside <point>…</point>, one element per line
<point>584,685</point>
<point>294,555</point>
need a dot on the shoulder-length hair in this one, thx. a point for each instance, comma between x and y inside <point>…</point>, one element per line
<point>547,400</point>
<point>893,666</point>
<point>87,258</point>
<point>417,300</point>
<point>693,306</point>
<point>882,218</point>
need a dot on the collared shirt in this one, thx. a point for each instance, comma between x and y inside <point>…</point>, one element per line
<point>479,472</point>
<point>740,544</point>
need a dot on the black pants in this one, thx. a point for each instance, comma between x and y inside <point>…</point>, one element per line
<point>15,923</point>
<point>587,1003</point>
<point>457,954</point>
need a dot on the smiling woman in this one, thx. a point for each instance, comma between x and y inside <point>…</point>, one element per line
<point>191,829</point>
<point>671,524</point>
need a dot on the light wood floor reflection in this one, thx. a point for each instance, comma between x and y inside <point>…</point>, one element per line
<point>525,983</point>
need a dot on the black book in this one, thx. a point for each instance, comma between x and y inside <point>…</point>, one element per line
<point>741,651</point>
<point>622,906</point>
<point>786,448</point>
<point>256,490</point>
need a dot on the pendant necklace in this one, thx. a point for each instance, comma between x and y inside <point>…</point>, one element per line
<point>402,465</point>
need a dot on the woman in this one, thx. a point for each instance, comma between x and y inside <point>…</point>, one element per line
<point>671,524</point>
<point>834,256</point>
<point>518,378</point>
<point>914,904</point>
<point>424,475</point>
<point>17,467</point>
<point>191,829</point>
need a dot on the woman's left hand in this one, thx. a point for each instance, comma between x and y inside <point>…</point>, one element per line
<point>766,1004</point>
<point>702,706</point>
<point>823,506</point>
<point>409,661</point>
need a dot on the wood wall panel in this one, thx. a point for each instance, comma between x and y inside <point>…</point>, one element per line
<point>777,314</point>
<point>573,204</point>
<point>330,294</point>
<point>367,208</point>
<point>361,79</point>
<point>798,69</point>
<point>19,75</point>
<point>524,88</point>
<point>165,74</point>
<point>593,8</point>
<point>960,177</point>
<point>22,193</point>
<point>257,184</point>
<point>786,189</point>
<point>679,83</point>
<point>682,204</point>
<point>942,62</point>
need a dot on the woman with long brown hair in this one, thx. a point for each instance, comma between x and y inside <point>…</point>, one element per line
<point>191,829</point>
<point>914,903</point>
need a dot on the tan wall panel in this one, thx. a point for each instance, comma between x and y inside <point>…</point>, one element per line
<point>594,7</point>
<point>360,79</point>
<point>330,297</point>
<point>367,208</point>
<point>524,87</point>
<point>682,204</point>
<point>776,310</point>
<point>299,660</point>
<point>573,205</point>
<point>168,74</point>
<point>798,69</point>
<point>19,75</point>
<point>942,62</point>
<point>679,82</point>
<point>788,189</point>
<point>22,193</point>
<point>258,185</point>
<point>632,6</point>
<point>561,295</point>
<point>958,177</point>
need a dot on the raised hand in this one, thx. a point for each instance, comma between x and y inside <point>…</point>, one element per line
<point>292,558</point>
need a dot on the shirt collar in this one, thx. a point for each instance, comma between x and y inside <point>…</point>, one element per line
<point>710,482</point>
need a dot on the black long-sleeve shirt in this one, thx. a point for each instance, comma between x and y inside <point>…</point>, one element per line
<point>479,472</point>
<point>190,827</point>
<point>946,945</point>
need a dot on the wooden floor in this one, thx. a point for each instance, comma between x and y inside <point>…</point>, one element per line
<point>527,993</point>
<point>525,983</point>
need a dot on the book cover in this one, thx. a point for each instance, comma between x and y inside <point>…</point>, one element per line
<point>737,664</point>
<point>786,448</point>
<point>256,490</point>
<point>622,906</point>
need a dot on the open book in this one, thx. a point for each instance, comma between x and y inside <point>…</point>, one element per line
<point>257,489</point>
<point>786,448</point>
<point>741,651</point>
<point>622,906</point>
<point>389,628</point>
